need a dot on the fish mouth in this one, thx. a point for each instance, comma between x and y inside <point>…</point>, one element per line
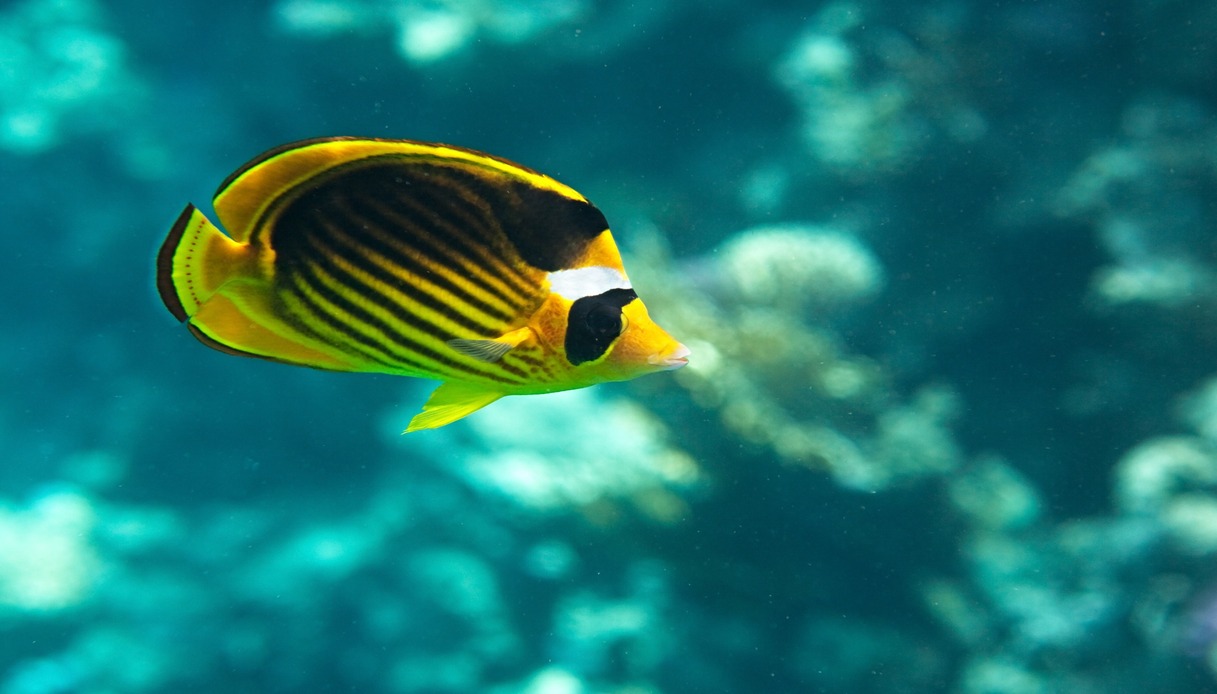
<point>676,358</point>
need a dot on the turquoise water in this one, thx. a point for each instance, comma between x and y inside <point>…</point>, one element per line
<point>949,424</point>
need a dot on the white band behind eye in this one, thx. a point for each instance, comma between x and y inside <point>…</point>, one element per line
<point>586,281</point>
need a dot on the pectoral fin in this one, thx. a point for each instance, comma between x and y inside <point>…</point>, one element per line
<point>450,402</point>
<point>490,351</point>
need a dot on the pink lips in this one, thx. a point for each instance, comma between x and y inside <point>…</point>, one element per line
<point>678,358</point>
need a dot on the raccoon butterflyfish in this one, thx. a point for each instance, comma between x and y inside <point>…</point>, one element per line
<point>416,259</point>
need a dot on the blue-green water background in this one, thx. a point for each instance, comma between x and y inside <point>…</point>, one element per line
<point>1032,505</point>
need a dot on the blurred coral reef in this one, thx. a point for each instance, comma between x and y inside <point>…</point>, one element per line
<point>755,313</point>
<point>64,73</point>
<point>1149,196</point>
<point>574,450</point>
<point>431,31</point>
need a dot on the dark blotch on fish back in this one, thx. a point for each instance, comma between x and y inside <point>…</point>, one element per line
<point>549,230</point>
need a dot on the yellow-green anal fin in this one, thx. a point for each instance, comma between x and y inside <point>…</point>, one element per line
<point>452,401</point>
<point>490,351</point>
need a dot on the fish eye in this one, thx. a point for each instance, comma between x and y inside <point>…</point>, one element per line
<point>594,323</point>
<point>605,321</point>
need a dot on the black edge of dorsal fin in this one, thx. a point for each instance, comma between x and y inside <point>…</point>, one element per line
<point>308,142</point>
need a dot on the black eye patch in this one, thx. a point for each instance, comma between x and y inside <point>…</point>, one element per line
<point>594,322</point>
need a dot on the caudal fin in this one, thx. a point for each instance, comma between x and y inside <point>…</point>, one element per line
<point>194,262</point>
<point>218,288</point>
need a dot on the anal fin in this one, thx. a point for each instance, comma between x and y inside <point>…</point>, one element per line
<point>452,401</point>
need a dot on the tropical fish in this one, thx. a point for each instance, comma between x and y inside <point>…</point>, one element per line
<point>416,259</point>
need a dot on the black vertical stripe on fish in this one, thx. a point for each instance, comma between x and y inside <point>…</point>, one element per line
<point>487,280</point>
<point>299,244</point>
<point>164,269</point>
<point>351,212</point>
<point>297,302</point>
<point>343,316</point>
<point>470,229</point>
<point>376,222</point>
<point>324,262</point>
<point>367,260</point>
<point>526,358</point>
<point>344,319</point>
<point>353,315</point>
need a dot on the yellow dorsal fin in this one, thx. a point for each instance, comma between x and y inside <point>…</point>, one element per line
<point>252,190</point>
<point>452,401</point>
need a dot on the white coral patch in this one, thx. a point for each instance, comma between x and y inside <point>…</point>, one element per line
<point>572,449</point>
<point>798,266</point>
<point>47,561</point>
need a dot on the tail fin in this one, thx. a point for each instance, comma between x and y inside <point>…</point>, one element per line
<point>195,261</point>
<point>221,290</point>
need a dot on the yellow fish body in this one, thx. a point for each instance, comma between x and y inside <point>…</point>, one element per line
<point>416,259</point>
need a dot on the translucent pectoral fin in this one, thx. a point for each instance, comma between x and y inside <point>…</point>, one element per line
<point>490,351</point>
<point>450,402</point>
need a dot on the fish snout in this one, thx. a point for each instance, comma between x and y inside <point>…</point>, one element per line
<point>675,358</point>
